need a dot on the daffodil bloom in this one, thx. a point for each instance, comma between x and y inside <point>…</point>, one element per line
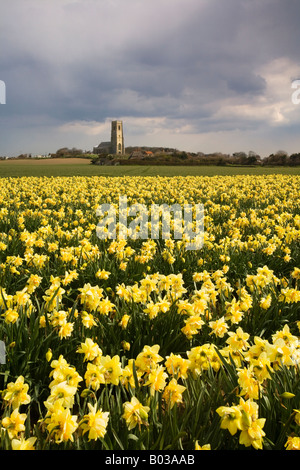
<point>102,274</point>
<point>94,376</point>
<point>231,418</point>
<point>10,315</point>
<point>64,392</point>
<point>254,434</point>
<point>249,384</point>
<point>88,319</point>
<point>21,298</point>
<point>163,304</point>
<point>105,306</point>
<point>283,353</point>
<point>16,393</point>
<point>148,284</point>
<point>219,327</point>
<point>193,325</point>
<point>289,295</point>
<point>58,317</point>
<point>286,335</point>
<point>177,366</point>
<point>292,443</point>
<point>61,425</point>
<point>200,305</point>
<point>260,345</point>
<point>246,300</point>
<point>204,447</point>
<point>265,302</point>
<point>63,372</point>
<point>3,246</point>
<point>148,358</point>
<point>262,367</point>
<point>297,416</point>
<point>33,282</point>
<point>152,309</point>
<point>124,321</point>
<point>296,273</point>
<point>90,296</point>
<point>15,423</point>
<point>238,340</point>
<point>127,377</point>
<point>58,365</point>
<point>95,423</point>
<point>112,369</point>
<point>173,393</point>
<point>65,329</point>
<point>90,350</point>
<point>249,410</point>
<point>184,307</point>
<point>156,379</point>
<point>23,444</point>
<point>135,413</point>
<point>202,358</point>
<point>123,292</point>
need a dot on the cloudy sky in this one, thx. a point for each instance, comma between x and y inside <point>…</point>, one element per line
<point>197,75</point>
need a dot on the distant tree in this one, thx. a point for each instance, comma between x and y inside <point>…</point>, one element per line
<point>240,157</point>
<point>294,159</point>
<point>253,158</point>
<point>279,158</point>
<point>183,155</point>
<point>66,152</point>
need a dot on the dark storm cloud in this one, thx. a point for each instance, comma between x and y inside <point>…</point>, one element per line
<point>199,66</point>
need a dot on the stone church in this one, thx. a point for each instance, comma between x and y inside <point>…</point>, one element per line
<point>116,144</point>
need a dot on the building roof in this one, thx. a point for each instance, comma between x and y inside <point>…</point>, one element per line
<point>104,144</point>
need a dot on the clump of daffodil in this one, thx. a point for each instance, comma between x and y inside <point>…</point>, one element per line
<point>94,423</point>
<point>14,424</point>
<point>23,444</point>
<point>173,393</point>
<point>135,414</point>
<point>292,443</point>
<point>148,359</point>
<point>243,418</point>
<point>90,349</point>
<point>156,379</point>
<point>177,366</point>
<point>60,423</point>
<point>16,393</point>
<point>203,358</point>
<point>92,302</point>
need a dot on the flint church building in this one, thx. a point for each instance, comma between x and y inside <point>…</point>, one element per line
<point>116,144</point>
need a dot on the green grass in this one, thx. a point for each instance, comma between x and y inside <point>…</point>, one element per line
<point>8,169</point>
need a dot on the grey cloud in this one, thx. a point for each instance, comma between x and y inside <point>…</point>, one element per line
<point>182,60</point>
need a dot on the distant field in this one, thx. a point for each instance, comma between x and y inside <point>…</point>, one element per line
<point>82,167</point>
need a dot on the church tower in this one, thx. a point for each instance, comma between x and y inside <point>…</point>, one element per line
<point>117,138</point>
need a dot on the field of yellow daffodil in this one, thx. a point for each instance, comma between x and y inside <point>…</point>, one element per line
<point>142,344</point>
